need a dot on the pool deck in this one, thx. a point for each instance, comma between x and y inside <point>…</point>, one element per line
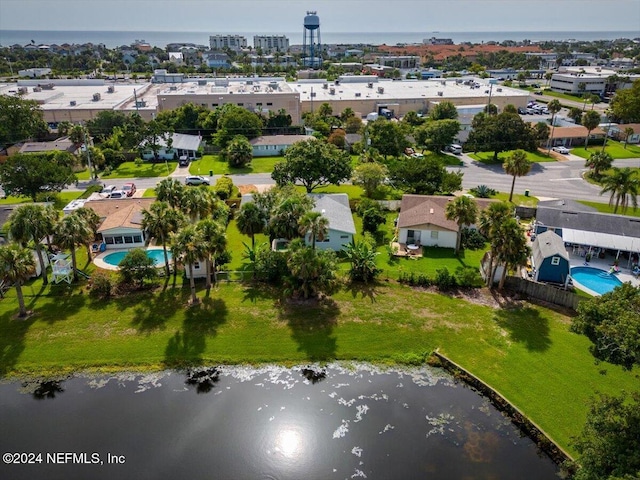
<point>100,263</point>
<point>625,275</point>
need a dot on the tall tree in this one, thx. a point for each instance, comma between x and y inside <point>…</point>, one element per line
<point>93,221</point>
<point>160,221</point>
<point>512,250</point>
<point>624,186</point>
<point>234,120</point>
<point>312,271</point>
<point>598,162</point>
<point>499,133</point>
<point>554,107</point>
<point>16,266</point>
<point>251,220</point>
<point>313,163</point>
<point>370,176</point>
<point>435,135</point>
<point>627,133</point>
<point>32,223</point>
<point>464,211</point>
<point>170,190</point>
<point>30,174</point>
<point>425,176</point>
<point>387,137</point>
<point>444,110</point>
<point>239,152</point>
<point>188,245</point>
<point>215,241</point>
<point>315,225</point>
<point>283,222</point>
<point>70,232</point>
<point>518,165</point>
<point>625,105</point>
<point>490,223</point>
<point>20,120</point>
<point>590,120</point>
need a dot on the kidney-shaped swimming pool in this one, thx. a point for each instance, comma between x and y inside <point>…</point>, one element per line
<point>594,279</point>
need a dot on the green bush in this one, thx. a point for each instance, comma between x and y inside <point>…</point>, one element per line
<point>101,285</point>
<point>138,162</point>
<point>224,187</point>
<point>444,280</point>
<point>471,239</point>
<point>270,266</point>
<point>136,267</point>
<point>468,277</point>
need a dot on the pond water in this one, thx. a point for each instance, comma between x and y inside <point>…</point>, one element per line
<point>270,423</point>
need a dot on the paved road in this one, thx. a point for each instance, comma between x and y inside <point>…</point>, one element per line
<point>549,179</point>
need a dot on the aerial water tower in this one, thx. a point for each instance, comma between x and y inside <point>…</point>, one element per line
<point>311,43</point>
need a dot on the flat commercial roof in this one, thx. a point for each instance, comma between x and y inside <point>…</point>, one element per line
<point>399,90</point>
<point>224,86</point>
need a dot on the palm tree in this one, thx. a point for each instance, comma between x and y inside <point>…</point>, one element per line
<point>491,219</point>
<point>31,223</point>
<point>70,231</point>
<point>518,165</point>
<point>196,203</point>
<point>624,185</point>
<point>315,225</point>
<point>554,107</point>
<point>159,222</point>
<point>251,221</point>
<point>599,162</point>
<point>93,220</point>
<point>215,241</point>
<point>171,191</point>
<point>189,246</point>
<point>512,250</point>
<point>627,133</point>
<point>463,210</point>
<point>590,120</point>
<point>16,266</point>
<point>362,257</point>
<point>284,220</point>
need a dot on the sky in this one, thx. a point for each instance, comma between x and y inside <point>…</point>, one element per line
<point>266,16</point>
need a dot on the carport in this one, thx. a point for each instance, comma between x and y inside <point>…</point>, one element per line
<point>608,241</point>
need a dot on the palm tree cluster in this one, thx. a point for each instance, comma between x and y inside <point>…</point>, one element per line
<point>624,186</point>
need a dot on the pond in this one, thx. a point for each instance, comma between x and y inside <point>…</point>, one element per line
<point>338,421</point>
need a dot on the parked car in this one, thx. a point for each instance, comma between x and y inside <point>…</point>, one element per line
<point>107,189</point>
<point>129,189</point>
<point>531,111</point>
<point>561,150</point>
<point>184,161</point>
<point>118,194</point>
<point>522,111</point>
<point>455,149</point>
<point>196,180</point>
<point>538,92</point>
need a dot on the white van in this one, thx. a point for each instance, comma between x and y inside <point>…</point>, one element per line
<point>455,149</point>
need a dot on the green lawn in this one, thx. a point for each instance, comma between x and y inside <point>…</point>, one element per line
<point>518,199</point>
<point>487,157</point>
<point>147,169</point>
<point>563,96</point>
<point>219,167</point>
<point>613,148</point>
<point>83,175</point>
<point>526,352</point>
<point>149,192</point>
<point>10,200</point>
<point>606,208</point>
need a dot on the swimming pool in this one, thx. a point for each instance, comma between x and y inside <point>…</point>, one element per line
<point>156,255</point>
<point>594,279</point>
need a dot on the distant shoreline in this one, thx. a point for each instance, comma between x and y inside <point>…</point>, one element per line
<point>112,39</point>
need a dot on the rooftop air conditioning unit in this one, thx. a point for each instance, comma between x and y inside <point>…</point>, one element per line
<point>72,103</point>
<point>173,88</point>
<point>22,90</point>
<point>440,94</point>
<point>203,82</point>
<point>336,82</point>
<point>358,94</point>
<point>111,89</point>
<point>332,91</point>
<point>380,89</point>
<point>96,97</point>
<point>249,82</point>
<point>37,89</point>
<point>46,86</point>
<point>313,94</point>
<point>325,85</point>
<point>498,89</point>
<point>370,85</point>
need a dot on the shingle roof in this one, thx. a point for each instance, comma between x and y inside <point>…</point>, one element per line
<point>120,213</point>
<point>548,244</point>
<point>335,207</point>
<point>574,132</point>
<point>430,210</point>
<point>61,144</point>
<point>588,221</point>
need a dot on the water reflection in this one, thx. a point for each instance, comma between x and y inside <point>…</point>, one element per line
<point>314,375</point>
<point>203,379</point>
<point>47,389</point>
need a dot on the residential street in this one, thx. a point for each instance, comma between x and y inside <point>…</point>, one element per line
<point>548,180</point>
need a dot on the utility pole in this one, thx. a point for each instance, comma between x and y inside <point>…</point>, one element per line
<point>489,104</point>
<point>86,146</point>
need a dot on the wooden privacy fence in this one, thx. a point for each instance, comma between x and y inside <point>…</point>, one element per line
<point>542,291</point>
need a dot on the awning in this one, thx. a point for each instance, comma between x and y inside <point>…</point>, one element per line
<point>602,240</point>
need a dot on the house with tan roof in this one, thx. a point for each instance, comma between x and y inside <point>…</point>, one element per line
<point>573,136</point>
<point>121,221</point>
<point>422,221</point>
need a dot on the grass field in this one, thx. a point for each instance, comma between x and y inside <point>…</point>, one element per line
<point>613,148</point>
<point>606,208</point>
<point>487,157</point>
<point>219,167</point>
<point>147,169</point>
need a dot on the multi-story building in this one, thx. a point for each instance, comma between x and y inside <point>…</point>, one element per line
<point>234,42</point>
<point>271,43</point>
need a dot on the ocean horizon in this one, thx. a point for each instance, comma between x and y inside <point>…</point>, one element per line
<point>112,39</point>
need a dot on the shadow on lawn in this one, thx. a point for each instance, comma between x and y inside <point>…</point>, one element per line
<point>201,321</point>
<point>364,290</point>
<point>153,309</point>
<point>311,323</point>
<point>525,325</point>
<point>12,339</point>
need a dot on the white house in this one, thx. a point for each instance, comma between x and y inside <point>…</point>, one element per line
<point>335,208</point>
<point>274,145</point>
<point>181,144</point>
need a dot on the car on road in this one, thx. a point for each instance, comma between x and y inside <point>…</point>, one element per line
<point>561,150</point>
<point>129,189</point>
<point>196,180</point>
<point>455,149</point>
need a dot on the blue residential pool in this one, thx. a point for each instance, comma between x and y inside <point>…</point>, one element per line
<point>156,255</point>
<point>595,279</point>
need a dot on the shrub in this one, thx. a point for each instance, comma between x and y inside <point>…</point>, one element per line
<point>136,267</point>
<point>468,277</point>
<point>107,170</point>
<point>138,162</point>
<point>101,285</point>
<point>224,187</point>
<point>443,279</point>
<point>472,239</point>
<point>270,266</point>
<point>372,219</point>
<point>482,191</point>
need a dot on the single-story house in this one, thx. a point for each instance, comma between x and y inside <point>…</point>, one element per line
<point>121,225</point>
<point>422,221</point>
<point>572,136</point>
<point>335,207</point>
<point>578,226</point>
<point>618,132</point>
<point>550,259</point>
<point>62,144</point>
<point>273,145</point>
<point>181,145</point>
